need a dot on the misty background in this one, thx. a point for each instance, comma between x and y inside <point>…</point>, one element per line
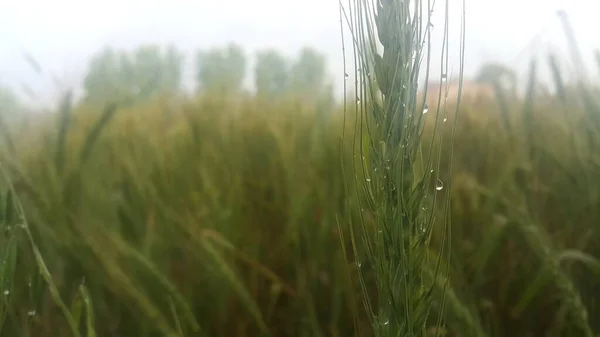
<point>62,35</point>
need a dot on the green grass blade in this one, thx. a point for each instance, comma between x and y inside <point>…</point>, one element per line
<point>94,134</point>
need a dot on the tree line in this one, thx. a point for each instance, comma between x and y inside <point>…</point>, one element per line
<point>221,70</point>
<point>114,74</point>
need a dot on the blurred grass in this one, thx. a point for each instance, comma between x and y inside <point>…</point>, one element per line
<point>218,216</point>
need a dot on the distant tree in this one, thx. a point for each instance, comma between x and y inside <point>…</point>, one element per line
<point>148,67</point>
<point>221,69</point>
<point>113,75</point>
<point>125,77</point>
<point>492,73</point>
<point>103,80</point>
<point>173,67</point>
<point>307,76</point>
<point>308,80</point>
<point>271,73</point>
<point>157,71</point>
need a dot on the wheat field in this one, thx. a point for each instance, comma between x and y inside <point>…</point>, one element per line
<point>231,214</point>
<point>226,217</point>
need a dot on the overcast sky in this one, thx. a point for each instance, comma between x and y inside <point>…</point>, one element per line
<point>62,34</point>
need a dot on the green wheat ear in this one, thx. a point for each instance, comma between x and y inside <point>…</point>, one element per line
<point>393,171</point>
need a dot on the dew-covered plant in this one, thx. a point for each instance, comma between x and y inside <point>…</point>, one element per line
<point>398,175</point>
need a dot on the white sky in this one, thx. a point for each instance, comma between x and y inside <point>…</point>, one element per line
<point>62,34</point>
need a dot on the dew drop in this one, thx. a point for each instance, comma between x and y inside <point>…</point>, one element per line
<point>445,119</point>
<point>357,100</point>
<point>346,76</point>
<point>368,180</point>
<point>6,292</point>
<point>31,313</point>
<point>440,185</point>
<point>425,109</point>
<point>444,77</point>
<point>384,321</point>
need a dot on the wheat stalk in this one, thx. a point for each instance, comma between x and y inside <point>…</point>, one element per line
<point>394,173</point>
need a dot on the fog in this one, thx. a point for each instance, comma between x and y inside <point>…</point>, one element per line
<point>62,34</point>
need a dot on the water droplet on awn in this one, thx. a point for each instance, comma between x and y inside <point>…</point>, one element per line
<point>384,321</point>
<point>31,313</point>
<point>425,109</point>
<point>440,185</point>
<point>6,292</point>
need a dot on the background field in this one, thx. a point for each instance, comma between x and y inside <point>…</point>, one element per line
<point>219,215</point>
